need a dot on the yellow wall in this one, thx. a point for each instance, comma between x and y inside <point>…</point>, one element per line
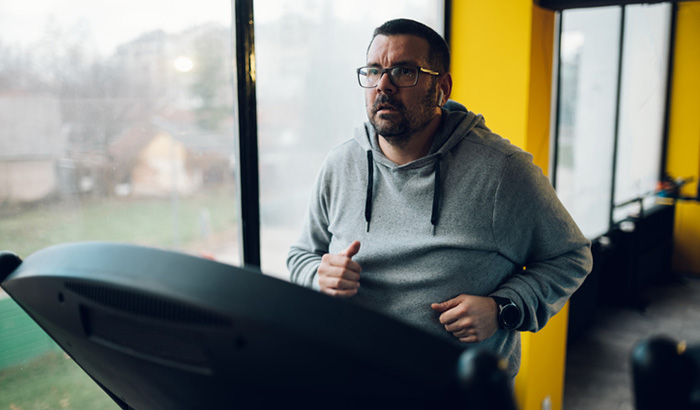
<point>686,247</point>
<point>684,135</point>
<point>490,44</point>
<point>540,87</point>
<point>502,68</point>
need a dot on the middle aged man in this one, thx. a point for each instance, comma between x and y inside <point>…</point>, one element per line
<point>429,217</point>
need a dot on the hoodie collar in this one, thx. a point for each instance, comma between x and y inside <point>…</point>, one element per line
<point>455,126</point>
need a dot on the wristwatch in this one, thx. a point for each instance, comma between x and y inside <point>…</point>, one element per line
<point>509,314</point>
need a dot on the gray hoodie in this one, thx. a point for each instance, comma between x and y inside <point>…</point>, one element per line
<point>475,216</point>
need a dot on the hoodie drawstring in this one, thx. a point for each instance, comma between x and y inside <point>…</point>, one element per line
<point>370,184</point>
<point>436,195</point>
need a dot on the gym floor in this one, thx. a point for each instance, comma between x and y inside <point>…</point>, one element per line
<point>598,368</point>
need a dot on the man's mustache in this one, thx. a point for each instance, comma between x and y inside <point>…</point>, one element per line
<point>384,100</point>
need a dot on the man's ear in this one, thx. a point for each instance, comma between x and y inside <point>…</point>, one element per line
<point>445,89</point>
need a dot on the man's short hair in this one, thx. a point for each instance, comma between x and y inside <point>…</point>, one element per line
<point>439,51</point>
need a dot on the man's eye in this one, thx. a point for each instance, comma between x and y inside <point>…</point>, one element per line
<point>404,72</point>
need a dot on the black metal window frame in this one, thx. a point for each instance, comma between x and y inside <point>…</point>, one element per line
<point>248,132</point>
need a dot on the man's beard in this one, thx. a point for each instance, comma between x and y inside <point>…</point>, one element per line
<point>400,131</point>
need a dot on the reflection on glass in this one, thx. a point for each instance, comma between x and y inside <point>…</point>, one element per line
<point>309,100</point>
<point>117,124</point>
<point>642,104</point>
<point>589,60</point>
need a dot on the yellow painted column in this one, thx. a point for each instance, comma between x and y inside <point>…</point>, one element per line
<point>490,44</point>
<point>683,159</point>
<point>502,68</point>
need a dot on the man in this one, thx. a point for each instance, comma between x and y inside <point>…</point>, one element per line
<point>429,217</point>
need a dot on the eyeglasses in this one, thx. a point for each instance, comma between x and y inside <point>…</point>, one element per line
<point>399,75</point>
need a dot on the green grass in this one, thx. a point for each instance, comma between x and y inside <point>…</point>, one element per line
<point>52,381</point>
<point>158,222</point>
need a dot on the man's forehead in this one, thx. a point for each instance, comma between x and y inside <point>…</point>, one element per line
<point>398,48</point>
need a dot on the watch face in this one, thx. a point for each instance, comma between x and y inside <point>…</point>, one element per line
<point>510,315</point>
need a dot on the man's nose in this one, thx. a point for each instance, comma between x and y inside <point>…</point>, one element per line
<point>385,85</point>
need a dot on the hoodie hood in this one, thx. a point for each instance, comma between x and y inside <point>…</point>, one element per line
<point>456,125</point>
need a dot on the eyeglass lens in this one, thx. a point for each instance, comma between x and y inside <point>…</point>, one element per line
<point>400,76</point>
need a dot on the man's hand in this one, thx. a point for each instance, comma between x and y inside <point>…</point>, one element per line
<point>339,275</point>
<point>469,318</point>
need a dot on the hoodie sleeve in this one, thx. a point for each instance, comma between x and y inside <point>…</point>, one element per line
<point>533,229</point>
<point>305,254</point>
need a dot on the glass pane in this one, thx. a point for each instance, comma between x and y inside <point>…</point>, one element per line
<point>117,125</point>
<point>642,104</point>
<point>589,59</point>
<point>309,100</point>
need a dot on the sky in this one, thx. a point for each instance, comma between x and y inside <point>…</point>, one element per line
<point>108,22</point>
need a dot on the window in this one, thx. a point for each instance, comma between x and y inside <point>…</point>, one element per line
<point>117,125</point>
<point>642,105</point>
<point>309,100</point>
<point>589,59</point>
<point>611,106</point>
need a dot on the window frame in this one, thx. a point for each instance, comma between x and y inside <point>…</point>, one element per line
<point>614,204</point>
